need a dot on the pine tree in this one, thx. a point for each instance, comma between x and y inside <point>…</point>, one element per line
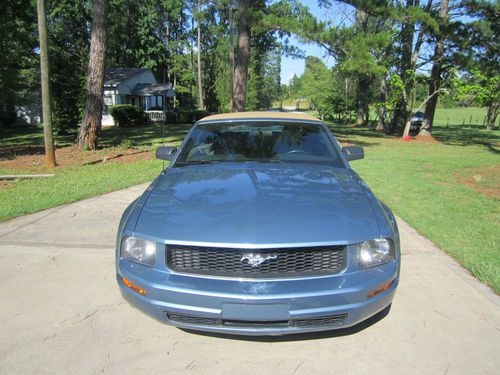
<point>91,124</point>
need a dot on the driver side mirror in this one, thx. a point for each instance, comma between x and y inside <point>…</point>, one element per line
<point>353,152</point>
<point>165,152</point>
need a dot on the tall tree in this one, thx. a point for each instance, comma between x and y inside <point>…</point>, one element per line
<point>201,104</point>
<point>91,124</point>
<point>437,68</point>
<point>241,70</point>
<point>69,42</point>
<point>19,66</point>
<point>483,56</point>
<point>231,53</point>
<point>44,67</point>
<point>317,85</point>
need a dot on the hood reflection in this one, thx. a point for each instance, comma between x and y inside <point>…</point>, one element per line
<point>257,203</point>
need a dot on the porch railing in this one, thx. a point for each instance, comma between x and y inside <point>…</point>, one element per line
<point>155,116</point>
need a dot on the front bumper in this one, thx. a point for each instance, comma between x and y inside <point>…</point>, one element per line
<point>259,307</point>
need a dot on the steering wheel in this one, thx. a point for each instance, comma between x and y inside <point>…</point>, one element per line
<point>297,151</point>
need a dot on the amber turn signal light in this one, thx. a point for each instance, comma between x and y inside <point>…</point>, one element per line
<point>383,288</point>
<point>135,288</point>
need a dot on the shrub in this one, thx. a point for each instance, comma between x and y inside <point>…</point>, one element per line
<point>127,115</point>
<point>185,116</point>
<point>7,118</point>
<point>199,114</point>
<point>171,117</point>
<point>127,143</point>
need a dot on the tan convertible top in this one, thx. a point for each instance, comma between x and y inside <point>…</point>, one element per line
<point>260,115</point>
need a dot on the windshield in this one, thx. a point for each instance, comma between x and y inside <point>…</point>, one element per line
<point>259,142</point>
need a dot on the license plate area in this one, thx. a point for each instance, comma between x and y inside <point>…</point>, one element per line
<point>240,312</point>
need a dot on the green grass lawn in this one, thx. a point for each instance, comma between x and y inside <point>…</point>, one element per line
<point>440,188</point>
<point>78,182</point>
<point>423,182</point>
<point>73,183</point>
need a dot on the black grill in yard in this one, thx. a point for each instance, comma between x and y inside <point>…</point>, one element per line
<point>261,263</point>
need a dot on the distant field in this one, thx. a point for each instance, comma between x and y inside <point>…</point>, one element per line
<point>460,116</point>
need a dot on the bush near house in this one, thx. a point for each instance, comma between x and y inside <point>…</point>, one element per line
<point>198,114</point>
<point>185,116</point>
<point>171,117</point>
<point>7,118</point>
<point>128,115</point>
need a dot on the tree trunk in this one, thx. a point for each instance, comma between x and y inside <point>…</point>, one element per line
<point>201,104</point>
<point>191,46</point>
<point>435,81</point>
<point>231,56</point>
<point>360,114</point>
<point>381,119</point>
<point>491,115</point>
<point>167,45</point>
<point>91,125</point>
<point>401,111</point>
<point>406,131</point>
<point>241,71</point>
<point>50,157</point>
<point>362,109</point>
<point>381,109</point>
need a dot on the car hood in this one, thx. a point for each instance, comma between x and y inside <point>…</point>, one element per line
<point>258,205</point>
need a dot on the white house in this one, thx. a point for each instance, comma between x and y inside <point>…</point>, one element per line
<point>136,86</point>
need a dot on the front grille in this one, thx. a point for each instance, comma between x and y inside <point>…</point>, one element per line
<point>328,320</point>
<point>281,262</point>
<point>322,320</point>
<point>194,320</point>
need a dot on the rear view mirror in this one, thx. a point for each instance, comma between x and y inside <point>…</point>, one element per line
<point>353,152</point>
<point>165,152</point>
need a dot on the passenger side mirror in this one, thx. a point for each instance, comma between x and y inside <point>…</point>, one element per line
<point>165,152</point>
<point>353,152</point>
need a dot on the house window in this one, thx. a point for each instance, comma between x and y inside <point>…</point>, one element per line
<point>107,102</point>
<point>151,103</point>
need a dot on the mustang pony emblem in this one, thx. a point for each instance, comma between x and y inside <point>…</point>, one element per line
<point>256,260</point>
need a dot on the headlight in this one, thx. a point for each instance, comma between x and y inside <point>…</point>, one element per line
<point>138,250</point>
<point>375,252</point>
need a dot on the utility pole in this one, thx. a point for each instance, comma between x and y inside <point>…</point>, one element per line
<point>50,156</point>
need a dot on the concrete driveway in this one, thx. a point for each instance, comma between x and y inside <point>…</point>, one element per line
<point>61,312</point>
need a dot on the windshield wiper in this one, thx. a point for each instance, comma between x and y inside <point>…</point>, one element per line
<point>193,162</point>
<point>265,161</point>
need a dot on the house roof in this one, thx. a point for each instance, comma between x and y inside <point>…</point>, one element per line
<point>260,115</point>
<point>148,89</point>
<point>113,77</point>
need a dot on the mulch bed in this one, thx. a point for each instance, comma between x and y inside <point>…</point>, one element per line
<point>32,159</point>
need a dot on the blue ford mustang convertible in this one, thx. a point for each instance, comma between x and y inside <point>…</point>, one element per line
<point>259,226</point>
